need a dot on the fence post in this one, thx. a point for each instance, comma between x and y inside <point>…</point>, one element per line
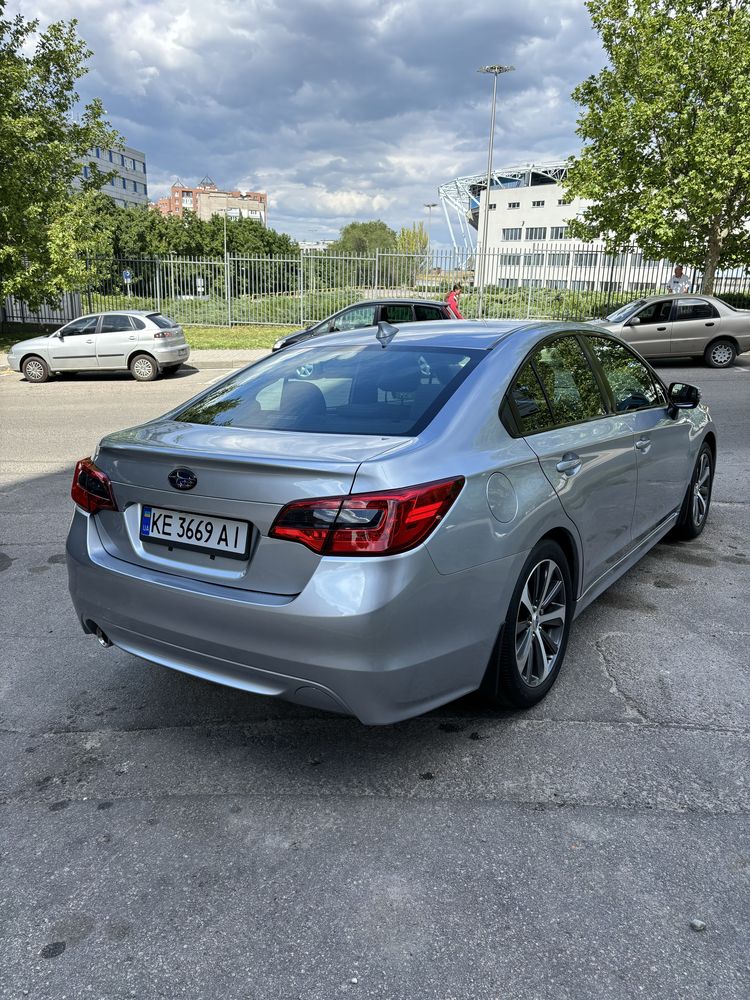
<point>158,284</point>
<point>88,284</point>
<point>301,288</point>
<point>377,268</point>
<point>227,286</point>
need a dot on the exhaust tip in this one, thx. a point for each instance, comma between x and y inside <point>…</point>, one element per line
<point>102,638</point>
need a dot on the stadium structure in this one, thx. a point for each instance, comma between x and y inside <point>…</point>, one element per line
<point>530,186</point>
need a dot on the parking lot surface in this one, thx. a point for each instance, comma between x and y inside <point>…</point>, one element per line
<point>165,837</point>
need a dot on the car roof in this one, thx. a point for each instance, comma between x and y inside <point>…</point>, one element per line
<point>474,334</point>
<point>669,295</point>
<point>395,302</point>
<point>119,312</point>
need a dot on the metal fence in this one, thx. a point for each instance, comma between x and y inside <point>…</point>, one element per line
<point>552,280</point>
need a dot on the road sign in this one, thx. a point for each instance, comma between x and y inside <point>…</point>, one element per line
<point>127,276</point>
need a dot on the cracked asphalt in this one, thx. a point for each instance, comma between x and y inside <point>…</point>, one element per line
<point>164,837</point>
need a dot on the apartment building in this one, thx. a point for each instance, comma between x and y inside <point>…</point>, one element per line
<point>130,185</point>
<point>206,200</point>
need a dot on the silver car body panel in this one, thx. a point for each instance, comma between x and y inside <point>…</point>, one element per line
<point>382,638</point>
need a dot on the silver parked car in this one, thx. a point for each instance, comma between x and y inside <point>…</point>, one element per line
<point>377,524</point>
<point>696,326</point>
<point>145,343</point>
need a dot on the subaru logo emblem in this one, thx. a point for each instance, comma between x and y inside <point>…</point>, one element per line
<point>182,479</point>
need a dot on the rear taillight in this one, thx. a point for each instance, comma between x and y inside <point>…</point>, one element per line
<point>92,488</point>
<point>368,524</point>
<point>161,334</point>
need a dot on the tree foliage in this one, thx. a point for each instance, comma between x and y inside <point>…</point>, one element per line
<point>44,134</point>
<point>139,232</point>
<point>412,239</point>
<point>666,131</point>
<point>365,237</point>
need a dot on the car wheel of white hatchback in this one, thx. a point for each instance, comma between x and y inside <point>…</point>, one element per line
<point>143,368</point>
<point>35,370</point>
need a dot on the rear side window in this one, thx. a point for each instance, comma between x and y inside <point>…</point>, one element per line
<point>137,323</point>
<point>694,309</point>
<point>428,312</point>
<point>115,322</point>
<point>530,403</point>
<point>568,382</point>
<point>397,313</point>
<point>338,390</point>
<point>632,385</point>
<point>162,321</point>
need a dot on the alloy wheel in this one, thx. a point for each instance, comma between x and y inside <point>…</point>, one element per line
<point>701,489</point>
<point>540,623</point>
<point>34,370</point>
<point>143,368</point>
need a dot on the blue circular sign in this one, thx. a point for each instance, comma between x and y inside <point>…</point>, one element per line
<point>127,276</point>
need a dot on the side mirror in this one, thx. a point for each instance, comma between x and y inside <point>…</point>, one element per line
<point>633,322</point>
<point>683,396</point>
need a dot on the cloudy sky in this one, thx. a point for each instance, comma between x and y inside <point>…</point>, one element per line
<point>339,109</point>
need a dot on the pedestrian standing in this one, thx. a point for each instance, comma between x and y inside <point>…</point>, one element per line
<point>452,299</point>
<point>679,283</point>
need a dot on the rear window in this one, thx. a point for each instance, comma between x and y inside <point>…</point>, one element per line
<point>338,390</point>
<point>161,321</point>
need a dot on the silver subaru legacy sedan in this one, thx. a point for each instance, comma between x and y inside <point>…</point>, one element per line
<point>376,524</point>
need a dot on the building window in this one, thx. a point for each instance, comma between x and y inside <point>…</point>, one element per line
<point>145,189</point>
<point>122,160</point>
<point>558,259</point>
<point>563,201</point>
<point>532,283</point>
<point>582,286</point>
<point>511,234</point>
<point>124,183</point>
<point>558,233</point>
<point>514,204</point>
<point>492,206</point>
<point>585,259</point>
<point>533,259</point>
<point>509,259</point>
<point>557,283</point>
<point>98,151</point>
<point>112,181</point>
<point>85,171</point>
<point>536,233</point>
<point>507,283</point>
<point>537,204</point>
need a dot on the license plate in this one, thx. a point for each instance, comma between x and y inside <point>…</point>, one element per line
<point>195,531</point>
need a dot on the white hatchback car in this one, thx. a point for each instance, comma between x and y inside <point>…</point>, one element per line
<point>145,343</point>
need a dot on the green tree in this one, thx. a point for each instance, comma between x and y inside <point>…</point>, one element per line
<point>412,239</point>
<point>365,237</point>
<point>666,132</point>
<point>44,135</point>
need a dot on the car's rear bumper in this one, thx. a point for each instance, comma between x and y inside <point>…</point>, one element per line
<point>180,353</point>
<point>381,639</point>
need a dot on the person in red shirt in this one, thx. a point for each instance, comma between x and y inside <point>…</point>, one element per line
<point>452,299</point>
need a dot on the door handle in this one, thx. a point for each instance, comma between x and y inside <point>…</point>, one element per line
<point>569,464</point>
<point>643,444</point>
<point>709,324</point>
<point>661,329</point>
<point>89,341</point>
<point>131,337</point>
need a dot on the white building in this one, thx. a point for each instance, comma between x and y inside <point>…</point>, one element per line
<point>528,244</point>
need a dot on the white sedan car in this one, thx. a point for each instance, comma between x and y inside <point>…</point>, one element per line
<point>144,343</point>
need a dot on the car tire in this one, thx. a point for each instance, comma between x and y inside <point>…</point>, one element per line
<point>143,368</point>
<point>720,353</point>
<point>520,672</point>
<point>695,506</point>
<point>35,369</point>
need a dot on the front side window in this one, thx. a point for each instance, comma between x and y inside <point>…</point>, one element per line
<point>79,326</point>
<point>694,309</point>
<point>338,390</point>
<point>112,323</point>
<point>568,381</point>
<point>621,314</point>
<point>354,319</point>
<point>633,387</point>
<point>656,312</point>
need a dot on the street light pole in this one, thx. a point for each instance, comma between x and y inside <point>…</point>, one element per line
<point>429,205</point>
<point>495,71</point>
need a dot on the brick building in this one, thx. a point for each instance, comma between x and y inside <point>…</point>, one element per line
<point>206,200</point>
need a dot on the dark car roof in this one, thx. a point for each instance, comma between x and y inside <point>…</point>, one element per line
<point>476,334</point>
<point>395,302</point>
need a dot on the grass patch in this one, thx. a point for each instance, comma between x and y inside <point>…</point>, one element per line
<point>202,338</point>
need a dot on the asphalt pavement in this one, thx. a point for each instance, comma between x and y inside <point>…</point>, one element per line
<point>161,836</point>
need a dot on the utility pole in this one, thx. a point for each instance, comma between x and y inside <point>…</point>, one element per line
<point>494,71</point>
